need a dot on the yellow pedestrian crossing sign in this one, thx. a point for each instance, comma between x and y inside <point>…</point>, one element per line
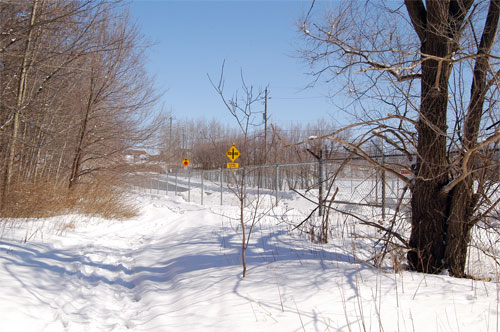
<point>233,153</point>
<point>185,162</point>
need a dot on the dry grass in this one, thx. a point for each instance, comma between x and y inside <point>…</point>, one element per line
<point>41,200</point>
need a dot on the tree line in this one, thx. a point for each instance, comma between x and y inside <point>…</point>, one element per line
<point>205,143</point>
<point>73,93</point>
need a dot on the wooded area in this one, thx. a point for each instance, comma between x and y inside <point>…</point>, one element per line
<point>74,96</point>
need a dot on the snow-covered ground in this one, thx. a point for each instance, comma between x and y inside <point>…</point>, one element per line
<point>176,267</point>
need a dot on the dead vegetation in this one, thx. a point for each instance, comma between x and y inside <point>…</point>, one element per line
<point>44,199</point>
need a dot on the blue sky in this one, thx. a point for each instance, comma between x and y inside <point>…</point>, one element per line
<point>193,38</point>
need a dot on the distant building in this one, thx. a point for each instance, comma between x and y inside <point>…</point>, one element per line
<point>136,156</point>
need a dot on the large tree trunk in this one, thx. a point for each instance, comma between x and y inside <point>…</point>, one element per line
<point>429,207</point>
<point>462,203</point>
<point>442,215</point>
<point>459,225</point>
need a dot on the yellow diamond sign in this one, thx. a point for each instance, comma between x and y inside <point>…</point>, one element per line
<point>233,153</point>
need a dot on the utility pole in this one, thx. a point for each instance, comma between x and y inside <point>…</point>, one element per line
<point>265,127</point>
<point>170,135</point>
<point>183,139</point>
<point>170,142</point>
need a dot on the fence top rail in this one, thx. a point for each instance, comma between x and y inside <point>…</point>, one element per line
<point>252,167</point>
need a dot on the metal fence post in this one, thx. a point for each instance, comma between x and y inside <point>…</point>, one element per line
<point>383,186</point>
<point>201,187</point>
<point>221,174</point>
<point>320,201</point>
<point>158,184</point>
<point>189,186</point>
<point>276,179</point>
<point>175,183</point>
<point>325,174</point>
<point>166,191</point>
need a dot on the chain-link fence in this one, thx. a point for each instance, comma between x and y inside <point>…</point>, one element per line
<point>355,183</point>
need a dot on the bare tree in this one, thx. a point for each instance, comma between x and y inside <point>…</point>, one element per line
<point>241,107</point>
<point>116,101</point>
<point>413,63</point>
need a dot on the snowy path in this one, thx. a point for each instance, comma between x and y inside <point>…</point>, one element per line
<point>177,268</point>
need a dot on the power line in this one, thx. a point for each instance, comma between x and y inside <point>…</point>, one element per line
<point>290,98</point>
